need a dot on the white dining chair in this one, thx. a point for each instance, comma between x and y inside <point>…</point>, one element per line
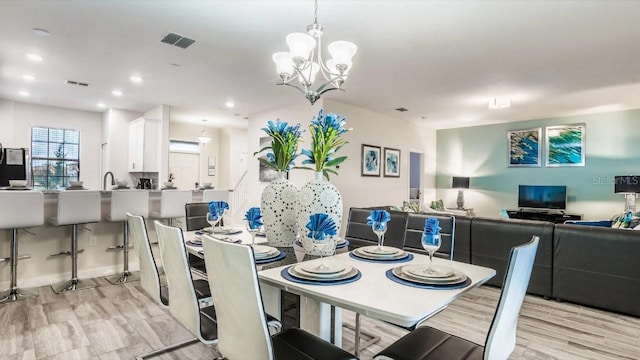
<point>427,343</point>
<point>240,312</point>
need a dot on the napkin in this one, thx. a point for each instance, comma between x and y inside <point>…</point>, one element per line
<point>378,219</point>
<point>431,226</point>
<point>321,225</point>
<point>217,208</point>
<point>254,218</point>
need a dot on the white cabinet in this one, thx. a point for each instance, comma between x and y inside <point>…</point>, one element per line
<point>144,147</point>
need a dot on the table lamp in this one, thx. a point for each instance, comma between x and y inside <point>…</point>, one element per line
<point>460,182</point>
<point>630,186</point>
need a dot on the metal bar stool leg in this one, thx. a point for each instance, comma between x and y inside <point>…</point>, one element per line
<point>126,276</point>
<point>14,293</point>
<point>75,283</point>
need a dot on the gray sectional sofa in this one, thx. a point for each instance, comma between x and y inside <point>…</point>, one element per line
<point>587,265</point>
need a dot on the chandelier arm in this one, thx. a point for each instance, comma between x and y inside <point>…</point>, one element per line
<point>301,75</point>
<point>303,91</point>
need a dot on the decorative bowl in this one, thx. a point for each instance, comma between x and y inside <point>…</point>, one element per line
<point>122,183</point>
<point>168,184</point>
<point>76,183</point>
<point>17,183</point>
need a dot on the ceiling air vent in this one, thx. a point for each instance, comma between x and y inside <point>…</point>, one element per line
<point>402,109</point>
<point>77,83</point>
<point>177,40</point>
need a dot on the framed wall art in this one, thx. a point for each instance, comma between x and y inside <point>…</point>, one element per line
<point>266,174</point>
<point>524,147</point>
<point>391,162</point>
<point>370,160</point>
<point>565,145</point>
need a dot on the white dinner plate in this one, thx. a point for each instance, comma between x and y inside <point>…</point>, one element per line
<point>314,277</point>
<point>263,250</point>
<point>267,256</point>
<point>331,267</point>
<point>382,250</point>
<point>197,240</point>
<point>364,255</point>
<point>440,272</point>
<point>459,278</point>
<point>300,269</point>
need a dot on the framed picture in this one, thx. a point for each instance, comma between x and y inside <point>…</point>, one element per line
<point>391,162</point>
<point>370,160</point>
<point>266,174</point>
<point>565,145</point>
<point>524,147</point>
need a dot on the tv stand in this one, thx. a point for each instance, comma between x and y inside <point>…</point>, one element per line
<point>554,216</point>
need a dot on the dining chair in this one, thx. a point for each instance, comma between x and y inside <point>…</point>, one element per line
<point>195,215</point>
<point>241,318</point>
<point>183,301</point>
<point>427,343</point>
<point>415,228</point>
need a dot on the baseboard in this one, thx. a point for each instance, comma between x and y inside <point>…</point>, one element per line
<point>50,279</point>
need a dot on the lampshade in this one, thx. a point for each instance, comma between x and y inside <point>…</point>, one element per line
<point>300,45</point>
<point>342,51</point>
<point>460,182</point>
<point>284,63</point>
<point>629,184</point>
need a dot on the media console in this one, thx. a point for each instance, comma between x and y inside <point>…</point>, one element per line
<point>555,217</point>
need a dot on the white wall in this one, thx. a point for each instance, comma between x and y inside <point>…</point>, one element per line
<point>116,127</point>
<point>162,113</point>
<point>17,119</point>
<point>189,132</point>
<point>369,128</point>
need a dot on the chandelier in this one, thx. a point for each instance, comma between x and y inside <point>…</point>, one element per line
<point>303,61</point>
<point>204,136</point>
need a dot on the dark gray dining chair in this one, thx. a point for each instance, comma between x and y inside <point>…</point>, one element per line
<point>415,228</point>
<point>242,329</point>
<point>427,343</point>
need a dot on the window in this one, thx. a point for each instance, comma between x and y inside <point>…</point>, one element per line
<point>55,157</point>
<point>184,146</point>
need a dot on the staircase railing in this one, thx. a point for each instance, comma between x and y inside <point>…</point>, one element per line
<point>238,195</point>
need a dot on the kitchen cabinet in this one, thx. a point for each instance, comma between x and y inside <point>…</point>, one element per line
<point>144,145</point>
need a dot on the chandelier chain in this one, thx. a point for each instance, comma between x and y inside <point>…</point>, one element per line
<point>315,12</point>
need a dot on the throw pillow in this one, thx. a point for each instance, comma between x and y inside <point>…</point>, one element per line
<point>437,205</point>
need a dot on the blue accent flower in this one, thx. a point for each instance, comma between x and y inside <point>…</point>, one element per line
<point>284,145</point>
<point>254,218</point>
<point>217,208</point>
<point>326,131</point>
<point>320,225</point>
<point>432,226</point>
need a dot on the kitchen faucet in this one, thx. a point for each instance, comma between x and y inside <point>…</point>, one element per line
<point>104,180</point>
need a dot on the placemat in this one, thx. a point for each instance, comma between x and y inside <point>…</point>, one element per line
<point>280,256</point>
<point>391,276</point>
<point>404,259</point>
<point>285,274</point>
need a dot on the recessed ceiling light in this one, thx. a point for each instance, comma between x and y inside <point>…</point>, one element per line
<point>41,32</point>
<point>28,77</point>
<point>135,79</point>
<point>117,92</point>
<point>174,65</point>
<point>499,103</point>
<point>34,57</point>
<point>229,104</point>
<point>101,105</point>
<point>23,93</point>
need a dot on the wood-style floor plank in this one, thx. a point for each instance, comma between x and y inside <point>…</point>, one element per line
<point>113,322</point>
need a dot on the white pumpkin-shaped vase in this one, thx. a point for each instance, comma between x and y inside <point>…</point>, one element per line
<point>278,205</point>
<point>318,196</point>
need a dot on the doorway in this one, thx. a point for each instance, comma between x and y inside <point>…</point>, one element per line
<point>185,168</point>
<point>415,176</point>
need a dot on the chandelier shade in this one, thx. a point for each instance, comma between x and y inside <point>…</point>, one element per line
<point>204,137</point>
<point>304,61</point>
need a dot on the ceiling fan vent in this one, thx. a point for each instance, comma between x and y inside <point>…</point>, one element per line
<point>177,40</point>
<point>402,109</point>
<point>77,83</point>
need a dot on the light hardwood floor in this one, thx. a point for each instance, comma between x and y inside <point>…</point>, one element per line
<point>119,322</point>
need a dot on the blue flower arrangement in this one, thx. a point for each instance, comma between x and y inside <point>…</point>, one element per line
<point>378,219</point>
<point>431,226</point>
<point>320,226</point>
<point>284,145</point>
<point>326,131</point>
<point>217,208</point>
<point>254,218</point>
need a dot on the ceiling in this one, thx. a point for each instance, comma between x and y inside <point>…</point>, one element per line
<point>443,60</point>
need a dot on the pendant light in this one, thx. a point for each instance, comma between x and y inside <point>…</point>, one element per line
<point>204,136</point>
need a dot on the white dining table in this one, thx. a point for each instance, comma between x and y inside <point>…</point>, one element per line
<point>373,295</point>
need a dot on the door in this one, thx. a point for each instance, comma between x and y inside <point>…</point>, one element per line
<point>185,168</point>
<point>415,177</point>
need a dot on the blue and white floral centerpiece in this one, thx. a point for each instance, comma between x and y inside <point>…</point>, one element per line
<point>279,197</point>
<point>319,195</point>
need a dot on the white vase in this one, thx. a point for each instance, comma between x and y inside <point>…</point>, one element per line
<point>318,196</point>
<point>278,205</point>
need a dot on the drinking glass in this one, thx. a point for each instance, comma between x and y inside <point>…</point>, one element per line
<point>323,245</point>
<point>379,228</point>
<point>431,243</point>
<point>213,222</point>
<point>253,230</point>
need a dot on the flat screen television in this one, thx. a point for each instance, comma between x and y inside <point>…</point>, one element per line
<point>542,197</point>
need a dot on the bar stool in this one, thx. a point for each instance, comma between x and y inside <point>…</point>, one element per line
<point>172,204</point>
<point>135,202</point>
<point>20,209</point>
<point>75,207</point>
<point>215,195</point>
